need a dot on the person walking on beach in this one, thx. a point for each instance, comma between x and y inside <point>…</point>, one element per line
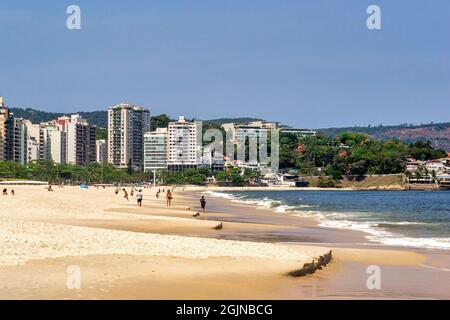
<point>5,192</point>
<point>125,194</point>
<point>12,192</point>
<point>117,191</point>
<point>139,197</point>
<point>203,203</point>
<point>157,194</point>
<point>169,198</point>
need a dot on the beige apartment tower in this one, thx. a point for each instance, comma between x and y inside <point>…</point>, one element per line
<point>127,125</point>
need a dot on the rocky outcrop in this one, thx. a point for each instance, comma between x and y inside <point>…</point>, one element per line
<point>219,226</point>
<point>310,268</point>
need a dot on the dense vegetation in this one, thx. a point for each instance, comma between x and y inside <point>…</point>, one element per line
<point>101,134</point>
<point>161,121</point>
<point>350,154</point>
<point>44,170</point>
<point>437,133</point>
<point>35,116</point>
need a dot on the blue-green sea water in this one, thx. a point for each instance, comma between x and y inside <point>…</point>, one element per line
<point>402,218</point>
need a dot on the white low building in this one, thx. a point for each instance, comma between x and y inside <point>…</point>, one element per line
<point>436,166</point>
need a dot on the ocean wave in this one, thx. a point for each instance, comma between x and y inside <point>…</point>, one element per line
<point>429,243</point>
<point>376,230</point>
<point>262,203</point>
<point>376,234</point>
<point>222,195</point>
<point>403,223</point>
<point>259,203</point>
<point>283,208</point>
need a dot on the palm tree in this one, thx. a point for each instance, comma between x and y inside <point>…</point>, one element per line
<point>433,176</point>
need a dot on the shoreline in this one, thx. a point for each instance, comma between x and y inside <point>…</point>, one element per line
<point>97,215</point>
<point>371,229</point>
<point>354,252</point>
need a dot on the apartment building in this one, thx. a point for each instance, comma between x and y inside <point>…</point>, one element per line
<point>299,132</point>
<point>81,141</point>
<point>4,121</point>
<point>33,133</point>
<point>101,151</point>
<point>182,145</point>
<point>127,125</point>
<point>155,150</point>
<point>52,144</point>
<point>211,159</point>
<point>18,141</point>
<point>13,136</point>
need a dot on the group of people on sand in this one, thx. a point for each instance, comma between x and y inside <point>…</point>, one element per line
<point>138,194</point>
<point>169,195</point>
<point>5,192</point>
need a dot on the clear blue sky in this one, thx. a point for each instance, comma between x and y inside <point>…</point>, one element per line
<point>304,63</point>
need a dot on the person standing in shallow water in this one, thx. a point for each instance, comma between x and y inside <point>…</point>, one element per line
<point>169,198</point>
<point>203,203</point>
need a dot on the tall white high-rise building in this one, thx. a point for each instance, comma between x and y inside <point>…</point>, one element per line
<point>81,141</point>
<point>13,136</point>
<point>182,145</point>
<point>102,151</point>
<point>33,133</point>
<point>32,149</point>
<point>155,150</point>
<point>52,144</point>
<point>58,143</point>
<point>127,125</point>
<point>18,141</point>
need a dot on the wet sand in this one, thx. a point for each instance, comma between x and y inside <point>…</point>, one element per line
<point>406,273</point>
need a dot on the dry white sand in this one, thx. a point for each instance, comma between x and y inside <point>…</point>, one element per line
<point>25,235</point>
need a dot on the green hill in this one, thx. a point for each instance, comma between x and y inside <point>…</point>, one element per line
<point>437,133</point>
<point>100,118</point>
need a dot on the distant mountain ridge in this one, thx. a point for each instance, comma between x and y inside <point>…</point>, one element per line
<point>437,133</point>
<point>99,118</point>
<point>221,121</point>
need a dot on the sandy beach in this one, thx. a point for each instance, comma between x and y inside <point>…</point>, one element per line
<point>156,252</point>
